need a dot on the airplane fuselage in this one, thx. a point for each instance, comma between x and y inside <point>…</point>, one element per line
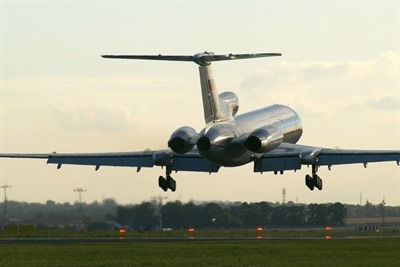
<point>229,143</point>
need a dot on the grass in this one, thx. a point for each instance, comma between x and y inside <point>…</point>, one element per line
<point>339,252</point>
<point>377,249</point>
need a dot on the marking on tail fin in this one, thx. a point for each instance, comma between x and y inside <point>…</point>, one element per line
<point>211,102</point>
<point>210,88</point>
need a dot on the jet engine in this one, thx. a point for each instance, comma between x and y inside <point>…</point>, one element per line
<point>181,140</point>
<point>230,103</point>
<point>264,139</point>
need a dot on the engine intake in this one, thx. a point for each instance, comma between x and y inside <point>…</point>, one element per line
<point>181,140</point>
<point>264,139</point>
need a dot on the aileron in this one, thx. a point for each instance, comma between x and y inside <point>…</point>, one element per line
<point>337,157</point>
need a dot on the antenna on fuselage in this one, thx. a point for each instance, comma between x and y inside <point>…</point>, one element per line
<point>211,102</point>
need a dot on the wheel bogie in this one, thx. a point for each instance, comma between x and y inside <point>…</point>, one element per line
<point>313,181</point>
<point>167,183</point>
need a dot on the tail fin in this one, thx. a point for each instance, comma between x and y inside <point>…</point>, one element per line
<point>211,102</point>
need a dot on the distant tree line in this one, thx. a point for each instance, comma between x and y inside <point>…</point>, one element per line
<point>372,211</point>
<point>178,215</point>
<point>59,215</point>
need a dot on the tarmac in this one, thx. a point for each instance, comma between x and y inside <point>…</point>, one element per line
<point>38,240</point>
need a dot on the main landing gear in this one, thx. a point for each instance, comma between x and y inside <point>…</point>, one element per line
<point>314,180</point>
<point>168,182</point>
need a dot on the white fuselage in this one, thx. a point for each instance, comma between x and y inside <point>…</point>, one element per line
<point>224,142</point>
<point>233,140</point>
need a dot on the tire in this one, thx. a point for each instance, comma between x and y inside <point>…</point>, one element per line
<point>173,185</point>
<point>309,182</point>
<point>161,181</point>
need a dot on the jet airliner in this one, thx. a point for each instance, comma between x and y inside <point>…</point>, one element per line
<point>265,137</point>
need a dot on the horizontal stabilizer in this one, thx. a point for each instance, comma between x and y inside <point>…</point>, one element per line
<point>200,58</point>
<point>151,57</point>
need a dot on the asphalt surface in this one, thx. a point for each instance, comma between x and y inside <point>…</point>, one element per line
<point>38,240</point>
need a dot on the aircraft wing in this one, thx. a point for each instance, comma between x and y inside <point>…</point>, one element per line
<point>285,157</point>
<point>293,156</point>
<point>191,161</point>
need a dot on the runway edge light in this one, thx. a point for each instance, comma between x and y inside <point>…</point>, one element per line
<point>259,232</point>
<point>328,232</point>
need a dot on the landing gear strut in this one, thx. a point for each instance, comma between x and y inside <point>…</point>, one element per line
<point>314,180</point>
<point>168,182</point>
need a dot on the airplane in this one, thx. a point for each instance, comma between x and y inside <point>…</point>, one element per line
<point>266,137</point>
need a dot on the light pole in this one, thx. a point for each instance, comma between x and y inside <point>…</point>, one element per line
<point>283,196</point>
<point>80,191</point>
<point>5,202</point>
<point>159,208</point>
<point>383,213</point>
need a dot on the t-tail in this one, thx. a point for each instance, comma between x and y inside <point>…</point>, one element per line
<point>212,106</point>
<point>216,107</point>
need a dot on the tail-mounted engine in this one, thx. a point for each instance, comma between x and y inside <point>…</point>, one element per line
<point>182,140</point>
<point>264,139</point>
<point>229,103</point>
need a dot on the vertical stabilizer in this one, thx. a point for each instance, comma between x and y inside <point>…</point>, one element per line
<point>211,104</point>
<point>213,112</point>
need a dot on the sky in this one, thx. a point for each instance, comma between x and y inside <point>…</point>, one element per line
<point>339,70</point>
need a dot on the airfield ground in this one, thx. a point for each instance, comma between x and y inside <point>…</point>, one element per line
<point>341,252</point>
<point>225,248</point>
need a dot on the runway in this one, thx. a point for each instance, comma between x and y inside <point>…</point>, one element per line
<point>129,240</point>
<point>40,240</point>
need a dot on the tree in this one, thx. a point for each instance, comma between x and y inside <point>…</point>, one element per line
<point>337,213</point>
<point>172,215</point>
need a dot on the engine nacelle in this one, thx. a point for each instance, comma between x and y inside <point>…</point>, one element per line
<point>230,103</point>
<point>264,139</point>
<point>181,140</point>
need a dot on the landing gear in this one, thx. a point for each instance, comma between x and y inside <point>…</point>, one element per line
<point>314,180</point>
<point>168,182</point>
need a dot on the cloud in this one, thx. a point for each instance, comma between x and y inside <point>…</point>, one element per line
<point>388,102</point>
<point>319,88</point>
<point>96,117</point>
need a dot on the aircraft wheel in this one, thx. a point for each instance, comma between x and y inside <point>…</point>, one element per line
<point>162,183</point>
<point>173,185</point>
<point>309,182</point>
<point>315,179</point>
<point>317,182</point>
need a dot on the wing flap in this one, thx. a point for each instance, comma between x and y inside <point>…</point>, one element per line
<point>276,164</point>
<point>193,162</point>
<point>283,158</point>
